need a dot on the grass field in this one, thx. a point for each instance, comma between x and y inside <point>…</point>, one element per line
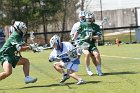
<point>121,67</point>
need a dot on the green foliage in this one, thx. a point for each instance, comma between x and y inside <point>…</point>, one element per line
<point>31,10</point>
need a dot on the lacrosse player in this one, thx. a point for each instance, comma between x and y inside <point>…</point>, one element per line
<point>90,32</point>
<point>65,59</point>
<point>8,57</point>
<point>75,28</point>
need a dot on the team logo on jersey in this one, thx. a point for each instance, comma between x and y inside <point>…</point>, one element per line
<point>61,56</point>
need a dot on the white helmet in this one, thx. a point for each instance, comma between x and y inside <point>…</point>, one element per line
<point>82,15</point>
<point>20,27</point>
<point>90,17</point>
<point>55,40</point>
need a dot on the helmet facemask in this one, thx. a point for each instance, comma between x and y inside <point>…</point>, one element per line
<point>90,18</point>
<point>82,19</point>
<point>55,42</point>
<point>20,27</point>
<point>82,16</point>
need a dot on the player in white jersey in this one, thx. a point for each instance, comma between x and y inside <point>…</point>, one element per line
<point>75,28</point>
<point>65,59</point>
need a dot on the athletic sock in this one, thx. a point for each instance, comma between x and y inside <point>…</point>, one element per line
<point>98,68</point>
<point>88,68</point>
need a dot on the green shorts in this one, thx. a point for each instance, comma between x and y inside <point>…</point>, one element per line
<point>11,59</point>
<point>92,48</point>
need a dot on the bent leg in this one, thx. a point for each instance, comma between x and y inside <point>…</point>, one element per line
<point>7,67</point>
<point>98,62</point>
<point>87,62</point>
<point>97,57</point>
<point>26,65</point>
<point>76,77</point>
<point>93,59</point>
<point>58,67</point>
<point>87,57</point>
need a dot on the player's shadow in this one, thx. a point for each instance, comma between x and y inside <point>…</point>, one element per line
<point>65,84</point>
<point>119,73</point>
<point>52,85</point>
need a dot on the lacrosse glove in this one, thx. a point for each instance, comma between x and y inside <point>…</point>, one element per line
<point>72,42</point>
<point>34,47</point>
<point>52,59</point>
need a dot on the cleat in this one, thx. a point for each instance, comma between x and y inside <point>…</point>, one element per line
<point>30,80</point>
<point>65,77</point>
<point>89,73</point>
<point>100,74</point>
<point>81,82</point>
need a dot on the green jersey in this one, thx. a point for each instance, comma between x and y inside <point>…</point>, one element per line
<point>88,30</point>
<point>9,50</point>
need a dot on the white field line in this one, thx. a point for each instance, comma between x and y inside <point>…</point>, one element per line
<point>121,57</point>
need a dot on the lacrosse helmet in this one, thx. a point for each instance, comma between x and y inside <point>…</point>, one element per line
<point>20,27</point>
<point>90,17</point>
<point>82,15</point>
<point>55,40</point>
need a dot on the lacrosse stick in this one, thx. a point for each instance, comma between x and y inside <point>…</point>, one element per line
<point>85,45</point>
<point>32,37</point>
<point>38,48</point>
<point>104,21</point>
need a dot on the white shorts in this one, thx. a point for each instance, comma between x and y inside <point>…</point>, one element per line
<point>70,66</point>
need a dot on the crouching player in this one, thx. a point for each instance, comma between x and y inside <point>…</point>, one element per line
<point>65,59</point>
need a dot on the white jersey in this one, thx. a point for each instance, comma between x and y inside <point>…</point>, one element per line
<point>66,46</point>
<point>74,28</point>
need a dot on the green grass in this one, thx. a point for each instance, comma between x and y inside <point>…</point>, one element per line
<point>122,37</point>
<point>122,75</point>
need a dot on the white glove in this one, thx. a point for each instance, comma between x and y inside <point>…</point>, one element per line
<point>51,59</point>
<point>34,47</point>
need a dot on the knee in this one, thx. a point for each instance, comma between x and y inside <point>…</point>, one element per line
<point>54,65</point>
<point>8,73</point>
<point>26,61</point>
<point>57,66</point>
<point>97,55</point>
<point>87,54</point>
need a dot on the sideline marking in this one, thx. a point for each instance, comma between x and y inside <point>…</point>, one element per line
<point>121,57</point>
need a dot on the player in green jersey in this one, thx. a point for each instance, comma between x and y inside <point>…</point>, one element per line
<point>90,32</point>
<point>8,53</point>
